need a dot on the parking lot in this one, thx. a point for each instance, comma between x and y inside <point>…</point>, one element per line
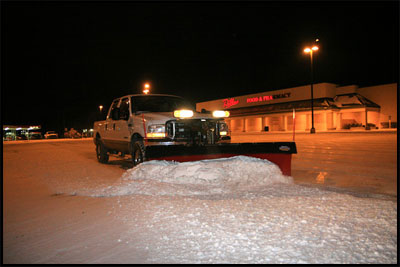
<point>62,206</point>
<point>363,162</point>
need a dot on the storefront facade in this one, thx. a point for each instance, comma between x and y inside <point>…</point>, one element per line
<point>21,132</point>
<point>335,108</point>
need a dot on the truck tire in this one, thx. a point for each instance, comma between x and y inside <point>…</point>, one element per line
<point>101,152</point>
<point>137,153</point>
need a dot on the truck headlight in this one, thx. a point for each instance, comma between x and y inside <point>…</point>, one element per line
<point>156,131</point>
<point>221,114</point>
<point>183,113</point>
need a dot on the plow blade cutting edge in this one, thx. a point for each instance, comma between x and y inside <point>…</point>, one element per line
<point>279,153</point>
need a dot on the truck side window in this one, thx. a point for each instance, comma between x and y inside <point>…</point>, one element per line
<point>124,109</point>
<point>113,109</point>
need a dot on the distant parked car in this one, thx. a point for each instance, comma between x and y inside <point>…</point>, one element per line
<point>22,137</point>
<point>51,135</point>
<point>35,135</point>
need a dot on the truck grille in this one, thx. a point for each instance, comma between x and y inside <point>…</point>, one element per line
<point>178,130</point>
<point>192,130</point>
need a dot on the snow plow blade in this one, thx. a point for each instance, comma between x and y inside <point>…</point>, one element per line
<point>279,153</point>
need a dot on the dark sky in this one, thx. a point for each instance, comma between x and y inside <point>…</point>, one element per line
<point>61,60</point>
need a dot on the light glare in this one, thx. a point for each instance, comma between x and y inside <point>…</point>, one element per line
<point>221,114</point>
<point>146,89</point>
<point>183,113</point>
<point>155,135</point>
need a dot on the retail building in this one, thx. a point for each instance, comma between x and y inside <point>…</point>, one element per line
<point>334,108</point>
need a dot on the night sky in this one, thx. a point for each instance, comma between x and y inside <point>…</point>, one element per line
<point>61,60</point>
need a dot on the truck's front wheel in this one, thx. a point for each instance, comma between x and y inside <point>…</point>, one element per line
<point>137,153</point>
<point>101,152</point>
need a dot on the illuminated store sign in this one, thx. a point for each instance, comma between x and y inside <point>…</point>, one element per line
<point>267,97</point>
<point>229,102</point>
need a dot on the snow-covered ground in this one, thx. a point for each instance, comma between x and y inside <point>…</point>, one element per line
<point>61,206</point>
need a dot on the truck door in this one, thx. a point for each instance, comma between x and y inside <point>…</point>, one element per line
<point>122,133</point>
<point>109,126</point>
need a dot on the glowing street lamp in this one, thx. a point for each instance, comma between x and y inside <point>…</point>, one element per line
<point>101,108</point>
<point>146,88</point>
<point>311,50</point>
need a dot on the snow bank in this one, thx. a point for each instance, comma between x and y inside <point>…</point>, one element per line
<point>205,177</point>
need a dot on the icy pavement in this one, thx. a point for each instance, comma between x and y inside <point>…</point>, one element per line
<point>359,162</point>
<point>291,228</point>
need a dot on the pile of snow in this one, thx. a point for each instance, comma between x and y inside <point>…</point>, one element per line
<point>205,177</point>
<point>243,210</point>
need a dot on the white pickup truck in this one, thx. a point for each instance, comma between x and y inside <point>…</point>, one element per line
<point>135,122</point>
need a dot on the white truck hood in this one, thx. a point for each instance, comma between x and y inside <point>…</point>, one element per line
<point>162,117</point>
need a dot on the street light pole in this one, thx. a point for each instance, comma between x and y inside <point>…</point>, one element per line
<point>312,95</point>
<point>310,50</point>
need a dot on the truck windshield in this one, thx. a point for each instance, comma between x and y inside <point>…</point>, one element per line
<point>158,103</point>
